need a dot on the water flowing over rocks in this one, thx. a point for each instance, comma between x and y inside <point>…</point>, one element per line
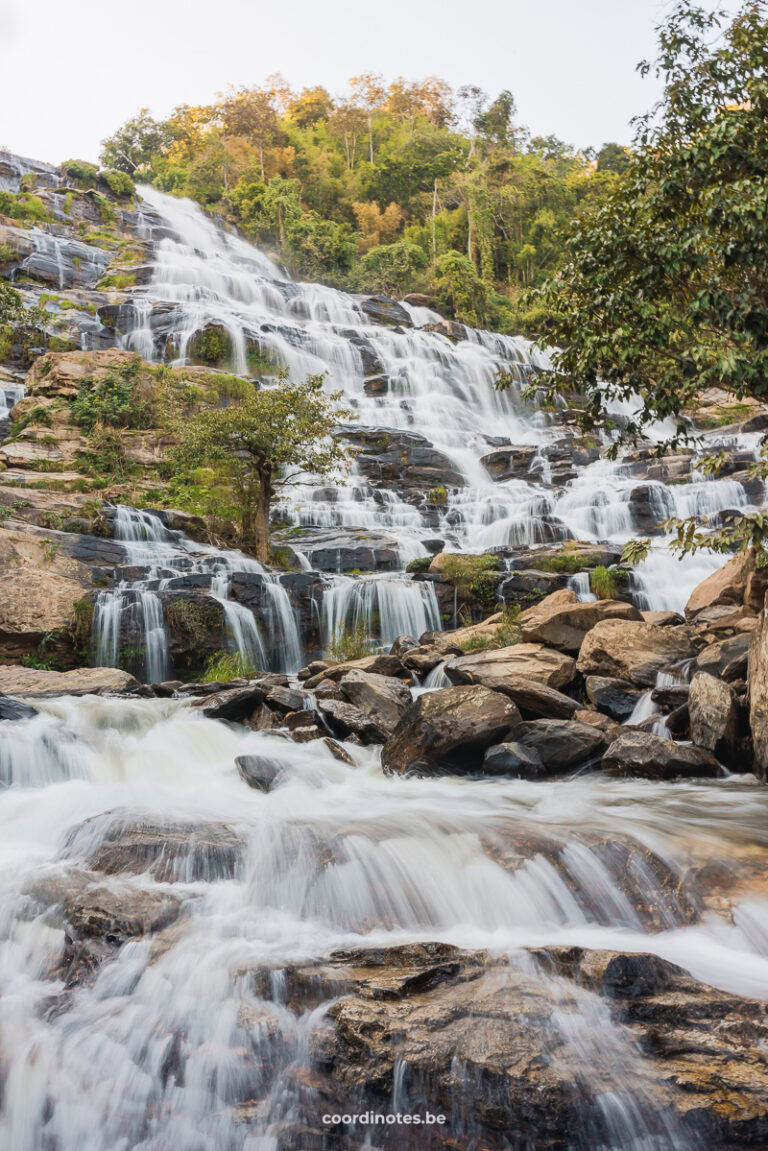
<point>496,868</point>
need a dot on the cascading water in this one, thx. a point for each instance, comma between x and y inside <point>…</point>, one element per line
<point>191,1039</point>
<point>414,377</point>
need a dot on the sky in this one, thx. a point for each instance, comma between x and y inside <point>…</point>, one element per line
<point>71,71</point>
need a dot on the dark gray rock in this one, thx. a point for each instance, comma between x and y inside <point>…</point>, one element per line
<point>560,743</point>
<point>514,760</point>
<point>640,754</point>
<point>258,772</point>
<point>615,697</point>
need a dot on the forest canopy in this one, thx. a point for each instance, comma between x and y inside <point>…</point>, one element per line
<point>393,187</point>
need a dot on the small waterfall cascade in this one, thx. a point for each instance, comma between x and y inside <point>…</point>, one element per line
<point>508,473</point>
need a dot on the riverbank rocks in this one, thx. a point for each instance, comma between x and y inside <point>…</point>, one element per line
<point>562,622</point>
<point>640,754</point>
<point>723,590</point>
<point>319,670</point>
<point>235,704</point>
<point>560,744</point>
<point>448,731</point>
<point>531,661</point>
<point>635,651</point>
<point>533,698</point>
<point>714,718</point>
<point>383,698</point>
<point>30,681</point>
<point>345,720</point>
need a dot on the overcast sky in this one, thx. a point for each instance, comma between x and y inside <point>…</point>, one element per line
<point>71,71</point>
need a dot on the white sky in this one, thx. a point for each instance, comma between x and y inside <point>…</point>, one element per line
<point>71,71</point>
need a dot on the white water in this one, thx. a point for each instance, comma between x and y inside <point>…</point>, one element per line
<point>157,1053</point>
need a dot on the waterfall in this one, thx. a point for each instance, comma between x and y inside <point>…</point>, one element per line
<point>382,608</point>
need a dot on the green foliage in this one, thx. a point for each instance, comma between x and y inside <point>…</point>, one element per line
<point>36,415</point>
<point>82,609</point>
<point>602,582</point>
<point>438,496</point>
<point>23,206</point>
<point>14,312</point>
<point>506,634</point>
<point>635,551</point>
<point>419,565</point>
<point>115,401</point>
<point>119,183</point>
<point>350,643</point>
<point>392,268</point>
<point>211,346</point>
<point>82,173</point>
<point>134,145</point>
<point>194,619</point>
<point>663,290</point>
<point>224,666</point>
<point>272,437</point>
<point>471,575</point>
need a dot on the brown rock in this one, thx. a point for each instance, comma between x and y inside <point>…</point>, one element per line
<point>714,718</point>
<point>724,588</point>
<point>383,698</point>
<point>640,754</point>
<point>448,731</point>
<point>758,695</point>
<point>563,624</point>
<point>531,661</point>
<point>29,681</point>
<point>636,651</point>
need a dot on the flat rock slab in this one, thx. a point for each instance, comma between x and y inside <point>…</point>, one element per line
<point>29,681</point>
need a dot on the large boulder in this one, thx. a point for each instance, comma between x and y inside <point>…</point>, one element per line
<point>375,664</point>
<point>530,661</point>
<point>638,753</point>
<point>234,704</point>
<point>345,720</point>
<point>726,659</point>
<point>383,698</point>
<point>634,650</point>
<point>564,625</point>
<point>758,695</point>
<point>31,681</point>
<point>725,588</point>
<point>714,717</point>
<point>515,760</point>
<point>533,698</point>
<point>560,743</point>
<point>449,730</point>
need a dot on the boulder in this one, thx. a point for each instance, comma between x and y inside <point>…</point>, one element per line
<point>344,720</point>
<point>714,717</point>
<point>724,588</point>
<point>560,743</point>
<point>531,661</point>
<point>616,697</point>
<point>610,729</point>
<point>383,698</point>
<point>564,625</point>
<point>758,695</point>
<point>515,760</point>
<point>235,704</point>
<point>13,709</point>
<point>533,698</point>
<point>29,681</point>
<point>403,644</point>
<point>449,730</point>
<point>633,650</point>
<point>638,753</point>
<point>376,664</point>
<point>422,660</point>
<point>726,659</point>
<point>258,771</point>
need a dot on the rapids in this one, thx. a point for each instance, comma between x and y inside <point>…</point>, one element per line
<point>155,1054</point>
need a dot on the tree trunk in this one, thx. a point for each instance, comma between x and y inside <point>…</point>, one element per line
<point>261,162</point>
<point>260,528</point>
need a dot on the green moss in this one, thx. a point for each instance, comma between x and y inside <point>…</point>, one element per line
<point>211,346</point>
<point>195,620</point>
<point>118,280</point>
<point>57,344</point>
<point>419,565</point>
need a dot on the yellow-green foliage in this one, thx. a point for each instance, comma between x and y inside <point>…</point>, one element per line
<point>351,643</point>
<point>471,575</point>
<point>602,582</point>
<point>506,634</point>
<point>224,666</point>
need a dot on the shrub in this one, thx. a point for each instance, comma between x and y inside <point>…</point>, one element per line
<point>223,666</point>
<point>506,634</point>
<point>120,184</point>
<point>351,643</point>
<point>113,401</point>
<point>419,565</point>
<point>81,172</point>
<point>602,582</point>
<point>471,575</point>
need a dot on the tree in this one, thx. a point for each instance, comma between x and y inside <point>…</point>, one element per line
<point>664,291</point>
<point>612,158</point>
<point>134,145</point>
<point>251,112</point>
<point>271,438</point>
<point>368,93</point>
<point>392,268</point>
<point>311,106</point>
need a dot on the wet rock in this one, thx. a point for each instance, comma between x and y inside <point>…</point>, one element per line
<point>512,463</point>
<point>344,719</point>
<point>13,709</point>
<point>616,697</point>
<point>515,760</point>
<point>350,549</point>
<point>388,665</point>
<point>423,659</point>
<point>171,850</point>
<point>640,754</point>
<point>383,310</point>
<point>635,651</point>
<point>235,704</point>
<point>383,698</point>
<point>406,461</point>
<point>668,698</point>
<point>286,699</point>
<point>560,743</point>
<point>508,665</point>
<point>28,681</point>
<point>328,689</point>
<point>338,751</point>
<point>532,698</point>
<point>376,386</point>
<point>564,625</point>
<point>258,772</point>
<point>609,727</point>
<point>649,505</point>
<point>402,644</point>
<point>448,731</point>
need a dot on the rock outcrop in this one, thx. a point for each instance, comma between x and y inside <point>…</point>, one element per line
<point>635,651</point>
